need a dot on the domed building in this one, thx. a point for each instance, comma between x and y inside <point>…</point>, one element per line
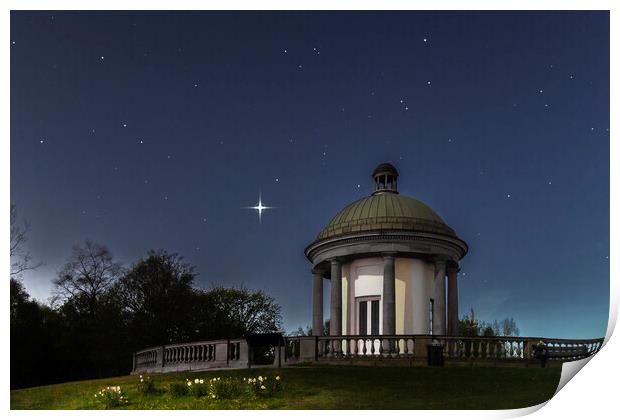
<point>388,257</point>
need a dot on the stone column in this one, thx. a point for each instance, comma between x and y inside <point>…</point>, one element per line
<point>335,321</point>
<point>317,302</point>
<point>439,314</point>
<point>389,295</point>
<point>453,299</point>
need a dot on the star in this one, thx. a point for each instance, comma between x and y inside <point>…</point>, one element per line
<point>124,125</point>
<point>540,91</point>
<point>285,51</point>
<point>508,195</point>
<point>406,108</point>
<point>425,39</point>
<point>277,179</point>
<point>204,219</point>
<point>428,83</point>
<point>358,185</point>
<point>141,142</point>
<point>260,208</point>
<point>102,58</point>
<point>42,141</point>
<point>13,42</point>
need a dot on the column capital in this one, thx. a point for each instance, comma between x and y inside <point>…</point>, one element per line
<point>388,255</point>
<point>318,271</point>
<point>335,261</point>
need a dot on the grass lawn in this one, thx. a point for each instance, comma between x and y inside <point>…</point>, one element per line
<point>326,387</point>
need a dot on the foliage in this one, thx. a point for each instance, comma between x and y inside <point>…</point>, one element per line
<point>157,297</point>
<point>232,312</point>
<point>178,388</point>
<point>308,331</point>
<point>111,397</point>
<point>226,388</point>
<point>197,387</point>
<point>469,326</point>
<point>263,386</point>
<point>146,385</point>
<point>100,305</point>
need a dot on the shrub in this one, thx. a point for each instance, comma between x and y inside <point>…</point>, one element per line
<point>197,387</point>
<point>146,385</point>
<point>225,388</point>
<point>111,396</point>
<point>178,389</point>
<point>262,386</point>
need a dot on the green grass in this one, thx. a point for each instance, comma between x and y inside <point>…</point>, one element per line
<point>327,387</point>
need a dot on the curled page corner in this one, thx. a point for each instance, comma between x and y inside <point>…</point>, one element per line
<point>569,370</point>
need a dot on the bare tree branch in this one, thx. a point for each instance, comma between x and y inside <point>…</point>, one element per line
<point>21,258</point>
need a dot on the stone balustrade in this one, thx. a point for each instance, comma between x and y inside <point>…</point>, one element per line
<point>192,356</point>
<point>415,348</point>
<point>386,349</point>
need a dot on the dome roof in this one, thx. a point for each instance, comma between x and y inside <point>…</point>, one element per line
<point>385,211</point>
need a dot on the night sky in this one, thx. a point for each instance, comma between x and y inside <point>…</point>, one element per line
<point>154,130</point>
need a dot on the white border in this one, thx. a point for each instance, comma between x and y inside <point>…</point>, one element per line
<point>592,395</point>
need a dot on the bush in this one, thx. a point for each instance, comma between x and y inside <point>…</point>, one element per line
<point>226,388</point>
<point>262,386</point>
<point>197,387</point>
<point>146,385</point>
<point>111,396</point>
<point>178,389</point>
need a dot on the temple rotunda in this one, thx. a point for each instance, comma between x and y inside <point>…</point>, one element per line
<point>388,257</point>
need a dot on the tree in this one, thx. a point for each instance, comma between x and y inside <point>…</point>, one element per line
<point>468,325</point>
<point>88,274</point>
<point>33,335</point>
<point>158,298</point>
<point>21,258</point>
<point>509,327</point>
<point>233,312</point>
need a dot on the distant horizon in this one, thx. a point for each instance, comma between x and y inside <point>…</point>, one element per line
<point>160,133</point>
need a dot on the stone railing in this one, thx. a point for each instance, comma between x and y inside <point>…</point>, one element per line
<point>409,349</point>
<point>415,348</point>
<point>199,355</point>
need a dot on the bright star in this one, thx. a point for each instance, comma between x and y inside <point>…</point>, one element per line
<point>260,208</point>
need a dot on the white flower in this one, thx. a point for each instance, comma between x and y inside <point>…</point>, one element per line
<point>196,381</point>
<point>189,384</point>
<point>262,387</point>
<point>277,378</point>
<point>202,381</point>
<point>260,378</point>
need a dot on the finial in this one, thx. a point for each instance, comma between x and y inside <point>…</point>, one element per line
<point>385,176</point>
